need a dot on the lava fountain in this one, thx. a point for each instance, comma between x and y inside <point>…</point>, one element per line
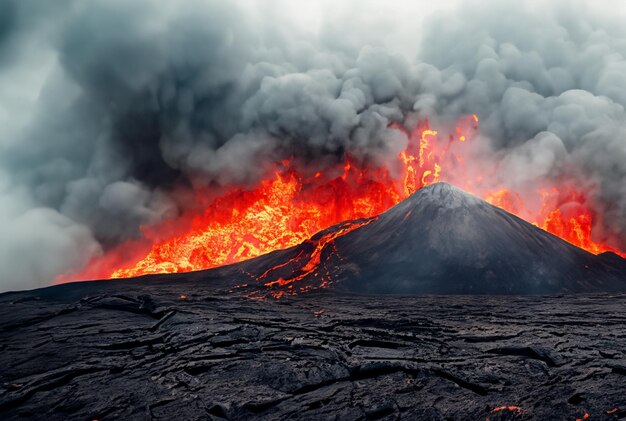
<point>293,203</point>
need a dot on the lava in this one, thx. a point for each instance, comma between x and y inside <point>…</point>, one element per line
<point>315,258</point>
<point>293,203</point>
<point>510,408</point>
<point>584,417</point>
<point>513,409</point>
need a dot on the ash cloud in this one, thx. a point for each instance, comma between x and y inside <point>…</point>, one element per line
<point>109,108</point>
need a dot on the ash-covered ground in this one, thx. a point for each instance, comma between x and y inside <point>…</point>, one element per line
<point>157,349</point>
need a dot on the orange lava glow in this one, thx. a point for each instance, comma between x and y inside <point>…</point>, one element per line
<point>293,203</point>
<point>584,417</point>
<point>510,408</point>
<point>515,410</point>
<point>315,258</point>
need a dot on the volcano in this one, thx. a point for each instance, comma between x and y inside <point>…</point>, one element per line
<point>355,315</point>
<point>440,240</point>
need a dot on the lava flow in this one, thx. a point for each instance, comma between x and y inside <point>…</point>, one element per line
<point>511,409</point>
<point>294,203</point>
<point>312,262</point>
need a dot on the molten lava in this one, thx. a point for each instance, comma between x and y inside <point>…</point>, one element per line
<point>584,417</point>
<point>512,409</point>
<point>315,258</point>
<point>293,204</point>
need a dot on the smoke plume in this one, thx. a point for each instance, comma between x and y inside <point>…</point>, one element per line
<point>112,109</point>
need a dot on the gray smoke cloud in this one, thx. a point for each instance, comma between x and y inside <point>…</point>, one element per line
<point>110,107</point>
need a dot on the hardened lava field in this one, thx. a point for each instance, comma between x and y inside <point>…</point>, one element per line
<point>157,349</point>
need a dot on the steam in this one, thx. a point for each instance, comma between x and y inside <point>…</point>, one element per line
<point>110,109</point>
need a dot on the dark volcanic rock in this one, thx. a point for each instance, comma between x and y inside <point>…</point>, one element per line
<point>135,350</point>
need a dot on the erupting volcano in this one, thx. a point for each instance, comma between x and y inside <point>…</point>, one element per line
<point>278,210</point>
<point>294,202</point>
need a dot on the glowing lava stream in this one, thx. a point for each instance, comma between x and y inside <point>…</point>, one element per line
<point>513,409</point>
<point>293,204</point>
<point>510,408</point>
<point>316,256</point>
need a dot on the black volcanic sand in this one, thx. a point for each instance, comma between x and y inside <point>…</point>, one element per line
<point>137,350</point>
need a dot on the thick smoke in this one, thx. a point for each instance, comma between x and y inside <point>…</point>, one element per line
<point>111,108</point>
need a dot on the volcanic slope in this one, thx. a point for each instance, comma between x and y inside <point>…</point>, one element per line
<point>440,240</point>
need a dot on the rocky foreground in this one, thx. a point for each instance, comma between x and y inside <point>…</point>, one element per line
<point>186,350</point>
